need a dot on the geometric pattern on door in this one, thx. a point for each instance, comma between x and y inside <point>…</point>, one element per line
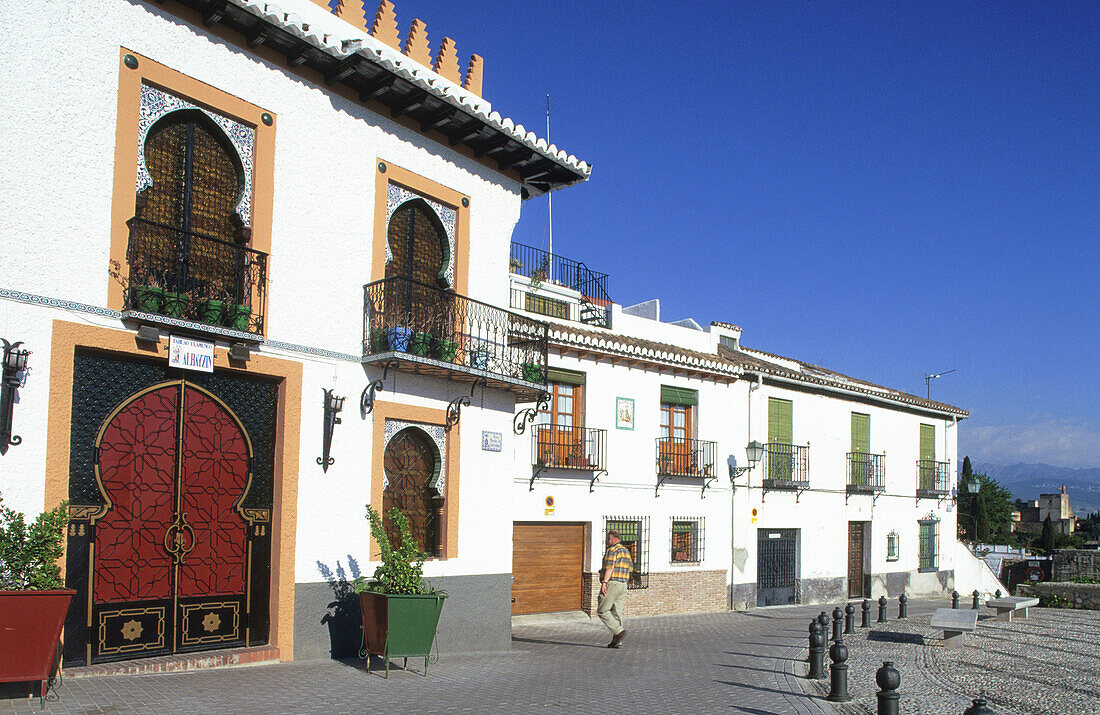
<point>170,551</point>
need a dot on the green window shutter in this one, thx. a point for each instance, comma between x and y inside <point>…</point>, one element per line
<point>564,377</point>
<point>861,432</point>
<point>780,422</point>
<point>678,396</point>
<point>928,442</point>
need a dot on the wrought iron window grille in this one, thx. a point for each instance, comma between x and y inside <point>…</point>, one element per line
<point>687,536</point>
<point>928,546</point>
<point>634,535</point>
<point>568,448</point>
<point>866,474</point>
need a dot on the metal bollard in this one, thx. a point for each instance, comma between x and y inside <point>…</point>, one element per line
<point>817,653</point>
<point>865,618</point>
<point>823,621</point>
<point>838,674</point>
<point>837,615</point>
<point>849,619</point>
<point>813,627</point>
<point>888,679</point>
<point>979,708</point>
<point>903,606</point>
<point>998,594</point>
<point>976,595</point>
<point>881,609</point>
<point>955,600</point>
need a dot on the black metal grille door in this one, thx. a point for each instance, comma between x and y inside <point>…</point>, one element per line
<point>776,566</point>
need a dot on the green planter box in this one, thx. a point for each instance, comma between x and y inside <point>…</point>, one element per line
<point>420,344</point>
<point>446,350</point>
<point>533,372</point>
<point>398,626</point>
<point>237,316</point>
<point>211,312</point>
<point>174,303</point>
<point>147,299</point>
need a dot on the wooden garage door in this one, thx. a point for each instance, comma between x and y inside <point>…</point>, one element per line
<point>547,564</point>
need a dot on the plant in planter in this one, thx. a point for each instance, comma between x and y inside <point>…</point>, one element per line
<point>444,349</point>
<point>547,458</point>
<point>515,265</point>
<point>238,316</point>
<point>541,273</point>
<point>420,343</point>
<point>33,603</point>
<point>379,340</point>
<point>400,613</point>
<point>533,372</point>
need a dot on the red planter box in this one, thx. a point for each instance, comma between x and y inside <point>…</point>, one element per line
<point>30,629</point>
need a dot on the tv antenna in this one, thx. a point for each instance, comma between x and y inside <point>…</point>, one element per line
<point>929,378</point>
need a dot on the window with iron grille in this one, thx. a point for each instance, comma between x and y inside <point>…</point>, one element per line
<point>546,306</point>
<point>687,539</point>
<point>634,535</point>
<point>892,546</point>
<point>929,545</point>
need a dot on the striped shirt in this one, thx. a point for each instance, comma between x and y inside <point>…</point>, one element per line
<point>617,562</point>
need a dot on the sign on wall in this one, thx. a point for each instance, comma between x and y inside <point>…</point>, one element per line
<point>624,413</point>
<point>190,354</point>
<point>491,441</point>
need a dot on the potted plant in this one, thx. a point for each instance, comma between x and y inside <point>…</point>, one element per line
<point>540,274</point>
<point>379,340</point>
<point>238,316</point>
<point>533,372</point>
<point>399,339</point>
<point>400,613</point>
<point>547,459</point>
<point>446,350</point>
<point>33,602</point>
<point>420,343</point>
<point>515,265</point>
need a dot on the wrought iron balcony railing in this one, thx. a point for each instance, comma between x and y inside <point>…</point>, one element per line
<point>680,457</point>
<point>866,472</point>
<point>181,274</point>
<point>557,447</point>
<point>434,331</point>
<point>545,267</point>
<point>786,466</point>
<point>933,478</point>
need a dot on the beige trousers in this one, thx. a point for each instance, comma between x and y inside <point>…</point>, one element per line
<point>610,608</point>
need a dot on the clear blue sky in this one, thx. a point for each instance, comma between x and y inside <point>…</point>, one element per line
<point>885,189</point>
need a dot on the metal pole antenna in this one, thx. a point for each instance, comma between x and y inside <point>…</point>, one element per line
<point>550,201</point>
<point>928,381</point>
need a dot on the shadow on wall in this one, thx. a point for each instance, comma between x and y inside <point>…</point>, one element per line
<point>344,620</point>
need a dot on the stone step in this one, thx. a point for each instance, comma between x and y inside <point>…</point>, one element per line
<point>229,658</point>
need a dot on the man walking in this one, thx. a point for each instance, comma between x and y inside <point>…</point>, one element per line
<point>617,566</point>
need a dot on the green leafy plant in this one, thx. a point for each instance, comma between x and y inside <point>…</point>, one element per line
<point>402,568</point>
<point>29,552</point>
<point>1054,600</point>
<point>540,274</point>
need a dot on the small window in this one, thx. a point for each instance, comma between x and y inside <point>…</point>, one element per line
<point>728,341</point>
<point>546,306</point>
<point>687,539</point>
<point>634,535</point>
<point>892,546</point>
<point>929,545</point>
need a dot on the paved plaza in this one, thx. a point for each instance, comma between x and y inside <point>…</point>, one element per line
<point>742,662</point>
<point>734,662</point>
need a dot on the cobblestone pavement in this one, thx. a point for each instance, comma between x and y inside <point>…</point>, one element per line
<point>1049,663</point>
<point>734,662</point>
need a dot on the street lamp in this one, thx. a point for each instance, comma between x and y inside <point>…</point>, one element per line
<point>15,362</point>
<point>754,451</point>
<point>973,485</point>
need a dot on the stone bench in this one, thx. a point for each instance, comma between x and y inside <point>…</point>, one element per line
<point>1010,605</point>
<point>954,623</point>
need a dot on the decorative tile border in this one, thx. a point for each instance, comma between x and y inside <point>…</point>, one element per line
<point>33,299</point>
<point>399,195</point>
<point>156,104</point>
<point>438,435</point>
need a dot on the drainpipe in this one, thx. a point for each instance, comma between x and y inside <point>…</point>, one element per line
<point>753,387</point>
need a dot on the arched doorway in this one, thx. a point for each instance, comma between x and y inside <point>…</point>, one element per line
<point>419,254</point>
<point>411,463</point>
<point>170,550</point>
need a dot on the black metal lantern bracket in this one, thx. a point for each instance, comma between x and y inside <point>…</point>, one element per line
<point>14,366</point>
<point>333,405</point>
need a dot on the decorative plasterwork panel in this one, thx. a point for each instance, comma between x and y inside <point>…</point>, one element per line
<point>156,104</point>
<point>399,195</point>
<point>437,434</point>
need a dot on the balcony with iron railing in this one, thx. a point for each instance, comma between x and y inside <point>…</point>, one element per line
<point>558,447</point>
<point>866,472</point>
<point>191,281</point>
<point>933,478</point>
<point>682,457</point>
<point>592,302</point>
<point>419,328</point>
<point>786,466</point>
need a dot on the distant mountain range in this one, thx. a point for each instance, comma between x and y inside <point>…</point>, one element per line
<point>1027,481</point>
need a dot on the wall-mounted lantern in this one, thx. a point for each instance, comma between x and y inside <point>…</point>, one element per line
<point>333,405</point>
<point>15,362</point>
<point>754,451</point>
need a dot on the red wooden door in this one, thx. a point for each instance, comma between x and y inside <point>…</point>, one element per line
<point>170,555</point>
